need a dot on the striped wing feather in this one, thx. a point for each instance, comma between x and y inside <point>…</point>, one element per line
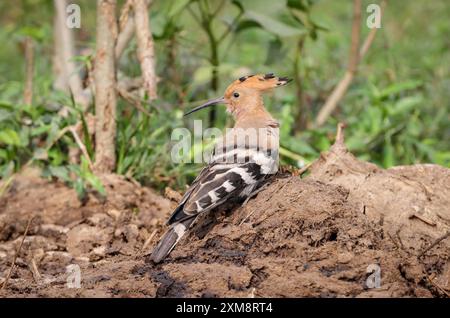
<point>215,185</point>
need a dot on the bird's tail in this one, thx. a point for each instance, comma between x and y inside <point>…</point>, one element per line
<point>170,239</point>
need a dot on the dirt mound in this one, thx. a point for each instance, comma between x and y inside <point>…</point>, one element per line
<point>326,235</point>
<point>302,239</point>
<point>349,229</point>
<point>106,238</point>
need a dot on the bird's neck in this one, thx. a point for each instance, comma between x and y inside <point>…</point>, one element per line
<point>257,117</point>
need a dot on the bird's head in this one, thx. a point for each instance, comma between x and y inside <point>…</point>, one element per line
<point>244,94</point>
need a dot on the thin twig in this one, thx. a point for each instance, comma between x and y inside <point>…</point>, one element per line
<point>29,70</point>
<point>34,270</point>
<point>125,14</point>
<point>81,146</point>
<point>356,37</point>
<point>147,242</point>
<point>340,134</point>
<point>124,38</point>
<point>443,237</point>
<point>371,36</point>
<point>230,27</point>
<point>134,101</point>
<point>219,7</point>
<point>439,287</point>
<point>302,170</point>
<point>194,15</point>
<point>340,89</point>
<point>422,218</point>
<point>17,254</point>
<point>67,54</point>
<point>126,29</point>
<point>355,57</point>
<point>145,48</point>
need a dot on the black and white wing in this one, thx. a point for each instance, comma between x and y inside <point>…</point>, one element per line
<point>235,173</point>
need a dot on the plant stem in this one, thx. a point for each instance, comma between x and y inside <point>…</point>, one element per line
<point>301,112</point>
<point>214,57</point>
<point>29,71</point>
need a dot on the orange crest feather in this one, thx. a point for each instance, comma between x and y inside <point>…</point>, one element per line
<point>259,82</point>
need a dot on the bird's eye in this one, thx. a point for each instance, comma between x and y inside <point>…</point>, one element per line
<point>236,95</point>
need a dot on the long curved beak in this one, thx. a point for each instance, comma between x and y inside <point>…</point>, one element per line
<point>209,103</point>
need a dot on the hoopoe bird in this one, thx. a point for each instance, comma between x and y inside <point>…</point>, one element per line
<point>241,163</point>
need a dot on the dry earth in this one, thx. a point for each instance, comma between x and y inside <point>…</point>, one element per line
<point>321,236</point>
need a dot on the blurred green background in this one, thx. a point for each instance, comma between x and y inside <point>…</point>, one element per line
<point>397,108</point>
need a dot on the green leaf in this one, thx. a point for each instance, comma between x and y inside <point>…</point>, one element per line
<point>323,143</point>
<point>80,189</point>
<point>375,120</point>
<point>299,5</point>
<point>6,105</point>
<point>275,52</point>
<point>60,172</point>
<point>5,115</point>
<point>239,5</point>
<point>388,153</point>
<point>274,26</point>
<point>247,24</point>
<point>355,142</point>
<point>84,167</point>
<point>7,170</point>
<point>56,156</point>
<point>36,131</point>
<point>264,6</point>
<point>40,154</point>
<point>95,182</point>
<point>3,154</point>
<point>36,33</point>
<point>87,138</point>
<point>300,146</point>
<point>399,87</point>
<point>405,105</point>
<point>177,7</point>
<point>9,137</point>
<point>443,158</point>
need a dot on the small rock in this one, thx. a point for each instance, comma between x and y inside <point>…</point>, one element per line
<point>345,257</point>
<point>131,232</point>
<point>98,253</point>
<point>100,250</point>
<point>118,233</point>
<point>60,258</point>
<point>115,214</point>
<point>52,230</point>
<point>365,242</point>
<point>83,238</point>
<point>35,242</point>
<point>143,234</point>
<point>101,220</point>
<point>81,259</point>
<point>172,194</point>
<point>355,232</point>
<point>38,255</point>
<point>96,279</point>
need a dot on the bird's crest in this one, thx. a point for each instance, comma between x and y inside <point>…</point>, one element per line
<point>261,82</point>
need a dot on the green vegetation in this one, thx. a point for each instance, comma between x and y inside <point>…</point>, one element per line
<point>397,109</point>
